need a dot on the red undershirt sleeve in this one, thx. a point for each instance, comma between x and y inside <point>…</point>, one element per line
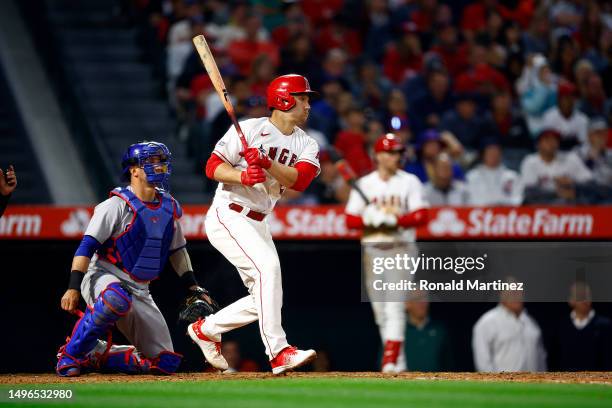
<point>414,218</point>
<point>306,173</point>
<point>211,165</point>
<point>354,221</point>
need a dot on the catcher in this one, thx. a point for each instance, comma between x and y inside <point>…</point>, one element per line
<point>127,243</point>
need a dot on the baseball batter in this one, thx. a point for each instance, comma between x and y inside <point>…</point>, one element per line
<point>280,156</point>
<point>395,205</point>
<point>126,245</point>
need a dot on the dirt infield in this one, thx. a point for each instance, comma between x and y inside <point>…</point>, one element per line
<point>575,378</point>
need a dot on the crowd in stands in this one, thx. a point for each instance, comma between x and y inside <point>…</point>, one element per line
<point>500,102</point>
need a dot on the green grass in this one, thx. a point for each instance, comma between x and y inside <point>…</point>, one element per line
<point>325,393</point>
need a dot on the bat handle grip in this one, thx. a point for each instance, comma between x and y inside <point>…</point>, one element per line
<point>243,140</point>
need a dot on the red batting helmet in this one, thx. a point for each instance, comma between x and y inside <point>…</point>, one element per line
<point>281,91</point>
<point>389,143</point>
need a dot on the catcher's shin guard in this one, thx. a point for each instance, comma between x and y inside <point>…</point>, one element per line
<point>114,301</point>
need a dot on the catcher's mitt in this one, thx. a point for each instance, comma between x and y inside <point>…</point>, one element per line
<point>198,304</point>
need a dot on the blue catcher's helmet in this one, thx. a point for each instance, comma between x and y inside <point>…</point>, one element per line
<point>153,157</point>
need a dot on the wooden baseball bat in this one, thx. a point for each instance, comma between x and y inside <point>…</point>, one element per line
<point>217,80</point>
<point>350,177</point>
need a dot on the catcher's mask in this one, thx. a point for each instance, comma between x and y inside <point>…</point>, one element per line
<point>153,157</point>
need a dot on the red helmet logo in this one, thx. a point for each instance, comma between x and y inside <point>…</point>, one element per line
<point>388,143</point>
<point>281,90</point>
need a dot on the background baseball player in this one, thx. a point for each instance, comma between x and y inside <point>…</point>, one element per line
<point>126,245</point>
<point>396,205</point>
<point>281,156</point>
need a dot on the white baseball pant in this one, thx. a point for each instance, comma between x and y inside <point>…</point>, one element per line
<point>248,245</point>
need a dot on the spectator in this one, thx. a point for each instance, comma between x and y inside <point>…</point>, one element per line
<point>582,72</point>
<point>491,183</point>
<point>180,48</point>
<point>371,88</point>
<point>351,142</point>
<point>550,176</point>
<point>338,34</point>
<point>474,17</point>
<point>564,57</point>
<point>442,189</point>
<point>537,89</point>
<point>396,113</point>
<point>226,32</point>
<point>428,109</point>
<point>240,93</point>
<point>427,344</point>
<point>464,123</point>
<point>416,87</point>
<point>481,77</point>
<point>593,101</point>
<point>454,54</point>
<point>429,146</point>
<point>508,124</point>
<point>583,339</point>
<point>320,11</point>
<point>8,183</point>
<point>595,154</point>
<point>566,119</point>
<point>262,74</point>
<point>536,38</point>
<point>298,58</point>
<point>323,113</point>
<point>405,58</point>
<point>425,14</point>
<point>329,187</point>
<point>379,29</point>
<point>295,26</point>
<point>231,351</point>
<point>335,66</point>
<point>566,14</point>
<point>244,51</point>
<point>506,338</point>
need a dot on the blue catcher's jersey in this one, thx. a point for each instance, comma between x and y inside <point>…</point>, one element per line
<point>143,248</point>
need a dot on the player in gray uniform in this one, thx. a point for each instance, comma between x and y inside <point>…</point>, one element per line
<point>126,245</point>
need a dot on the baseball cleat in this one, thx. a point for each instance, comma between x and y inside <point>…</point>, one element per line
<point>211,349</point>
<point>291,358</point>
<point>390,368</point>
<point>390,356</point>
<point>67,365</point>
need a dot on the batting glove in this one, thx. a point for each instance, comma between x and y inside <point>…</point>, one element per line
<point>373,216</point>
<point>257,157</point>
<point>252,175</point>
<point>390,220</point>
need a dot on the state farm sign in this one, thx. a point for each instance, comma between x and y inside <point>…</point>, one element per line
<point>329,222</point>
<point>522,222</point>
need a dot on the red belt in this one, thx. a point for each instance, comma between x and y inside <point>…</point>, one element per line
<point>254,215</point>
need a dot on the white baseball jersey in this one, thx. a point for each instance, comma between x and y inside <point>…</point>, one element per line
<point>535,172</point>
<point>285,149</point>
<point>401,194</point>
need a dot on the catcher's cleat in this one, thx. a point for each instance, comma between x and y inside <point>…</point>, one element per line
<point>291,358</point>
<point>67,365</point>
<point>211,349</point>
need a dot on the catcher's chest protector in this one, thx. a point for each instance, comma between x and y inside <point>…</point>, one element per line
<point>142,250</point>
